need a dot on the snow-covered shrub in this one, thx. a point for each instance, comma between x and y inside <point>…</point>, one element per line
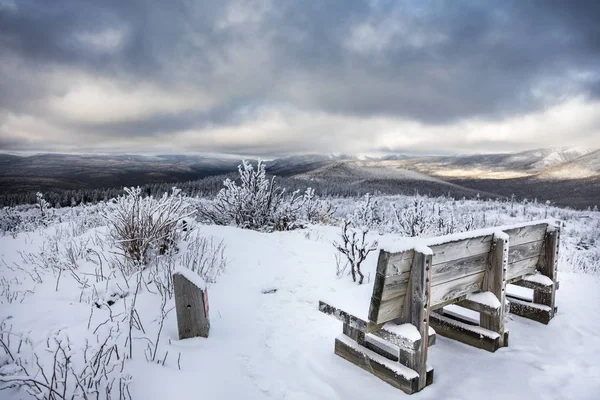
<point>42,204</point>
<point>317,210</point>
<point>139,224</point>
<point>368,214</point>
<point>355,249</point>
<point>414,219</point>
<point>205,257</point>
<point>60,370</point>
<point>256,203</point>
<point>10,220</point>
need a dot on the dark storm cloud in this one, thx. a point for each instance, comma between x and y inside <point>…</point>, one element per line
<point>426,61</point>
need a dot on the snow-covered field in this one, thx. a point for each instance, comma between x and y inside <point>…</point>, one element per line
<point>62,283</point>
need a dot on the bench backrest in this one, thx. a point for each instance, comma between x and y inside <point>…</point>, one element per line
<point>391,286</point>
<point>458,268</point>
<point>525,248</point>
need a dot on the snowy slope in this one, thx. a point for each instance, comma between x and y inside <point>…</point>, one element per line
<point>586,166</point>
<point>498,166</point>
<point>278,346</point>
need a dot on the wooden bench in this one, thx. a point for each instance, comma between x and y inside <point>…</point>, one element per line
<point>532,263</point>
<point>413,285</point>
<point>470,272</point>
<point>389,333</point>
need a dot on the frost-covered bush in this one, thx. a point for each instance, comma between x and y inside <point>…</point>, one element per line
<point>317,211</point>
<point>139,224</point>
<point>414,219</point>
<point>368,214</point>
<point>256,203</point>
<point>355,249</point>
<point>41,203</point>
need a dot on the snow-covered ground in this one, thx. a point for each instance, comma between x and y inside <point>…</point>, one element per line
<point>267,338</point>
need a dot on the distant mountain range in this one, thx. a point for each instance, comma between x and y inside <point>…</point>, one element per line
<point>565,176</point>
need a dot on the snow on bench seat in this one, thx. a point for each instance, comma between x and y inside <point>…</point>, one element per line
<point>539,279</point>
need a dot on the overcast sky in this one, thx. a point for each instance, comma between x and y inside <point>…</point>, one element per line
<point>277,77</point>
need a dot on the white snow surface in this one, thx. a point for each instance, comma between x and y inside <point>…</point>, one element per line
<point>487,298</point>
<point>539,278</point>
<point>408,331</point>
<point>279,346</point>
<point>190,276</point>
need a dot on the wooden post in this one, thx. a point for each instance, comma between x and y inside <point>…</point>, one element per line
<point>494,280</point>
<point>416,312</point>
<point>191,304</point>
<point>547,266</point>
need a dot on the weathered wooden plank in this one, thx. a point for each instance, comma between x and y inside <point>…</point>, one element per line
<point>367,327</point>
<point>455,269</point>
<point>526,234</point>
<point>393,373</point>
<point>394,263</point>
<point>465,333</point>
<point>536,312</point>
<point>524,251</point>
<point>416,312</point>
<point>456,250</point>
<point>479,307</point>
<point>394,286</point>
<point>381,312</point>
<point>390,285</point>
<point>460,315</point>
<point>533,285</point>
<point>191,305</point>
<point>382,347</point>
<point>547,266</point>
<point>355,334</point>
<point>456,289</point>
<point>519,269</point>
<point>494,281</point>
<point>345,317</point>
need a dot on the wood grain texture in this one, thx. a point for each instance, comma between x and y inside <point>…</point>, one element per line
<point>355,334</point>
<point>494,281</point>
<point>524,251</point>
<point>395,286</point>
<point>456,250</point>
<point>380,370</point>
<point>382,311</point>
<point>455,290</point>
<point>192,320</point>
<point>390,286</point>
<point>479,307</point>
<point>464,333</point>
<point>548,266</point>
<point>519,269</point>
<point>416,312</point>
<point>526,234</point>
<point>394,263</point>
<point>451,270</point>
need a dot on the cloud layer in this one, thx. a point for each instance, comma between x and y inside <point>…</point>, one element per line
<point>275,77</point>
